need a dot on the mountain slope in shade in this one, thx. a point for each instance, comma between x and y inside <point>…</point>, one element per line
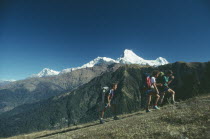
<point>33,90</point>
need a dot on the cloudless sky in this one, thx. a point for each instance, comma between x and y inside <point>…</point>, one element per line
<point>59,34</point>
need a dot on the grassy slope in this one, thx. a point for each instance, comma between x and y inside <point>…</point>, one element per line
<point>188,119</point>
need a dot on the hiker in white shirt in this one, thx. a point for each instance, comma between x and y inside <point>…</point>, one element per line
<point>153,91</point>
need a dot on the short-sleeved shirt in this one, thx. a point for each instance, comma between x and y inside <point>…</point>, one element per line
<point>166,80</point>
<point>111,93</point>
<point>153,80</point>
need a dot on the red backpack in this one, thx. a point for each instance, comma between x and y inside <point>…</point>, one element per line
<point>148,82</point>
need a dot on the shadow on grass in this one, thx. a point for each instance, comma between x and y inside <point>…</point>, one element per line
<point>68,130</point>
<point>77,128</point>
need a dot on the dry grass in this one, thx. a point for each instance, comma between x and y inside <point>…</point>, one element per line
<point>185,120</point>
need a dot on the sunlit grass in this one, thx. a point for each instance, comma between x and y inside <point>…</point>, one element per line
<point>185,120</point>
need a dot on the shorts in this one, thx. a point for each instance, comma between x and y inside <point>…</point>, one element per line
<point>150,90</point>
<point>101,106</point>
<point>166,89</point>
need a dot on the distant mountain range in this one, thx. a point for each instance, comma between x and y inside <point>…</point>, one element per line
<point>129,57</point>
<point>5,82</point>
<point>46,72</point>
<point>30,90</point>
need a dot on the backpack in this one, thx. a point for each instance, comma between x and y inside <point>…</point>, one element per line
<point>146,81</point>
<point>104,94</point>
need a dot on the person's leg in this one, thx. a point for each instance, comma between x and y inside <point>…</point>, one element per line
<point>114,110</point>
<point>148,101</point>
<point>99,110</point>
<point>102,113</point>
<point>157,98</point>
<point>172,94</point>
<point>161,97</point>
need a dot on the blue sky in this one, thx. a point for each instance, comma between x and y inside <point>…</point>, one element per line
<point>60,34</point>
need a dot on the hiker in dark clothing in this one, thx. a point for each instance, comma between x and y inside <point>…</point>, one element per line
<point>166,81</point>
<point>111,102</point>
<point>161,80</point>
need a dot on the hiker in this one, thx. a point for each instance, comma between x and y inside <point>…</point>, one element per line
<point>101,99</point>
<point>166,81</point>
<point>111,102</point>
<point>160,80</point>
<point>152,90</point>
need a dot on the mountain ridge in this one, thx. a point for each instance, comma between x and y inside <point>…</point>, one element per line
<point>35,89</point>
<point>129,57</point>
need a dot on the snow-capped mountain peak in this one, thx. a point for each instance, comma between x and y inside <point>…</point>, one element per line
<point>129,57</point>
<point>46,72</point>
<point>99,60</point>
<point>162,61</point>
<point>129,53</point>
<point>96,61</point>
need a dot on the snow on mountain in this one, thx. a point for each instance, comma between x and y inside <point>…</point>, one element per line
<point>99,60</point>
<point>161,61</point>
<point>46,72</point>
<point>129,57</point>
<point>96,61</point>
<point>6,82</point>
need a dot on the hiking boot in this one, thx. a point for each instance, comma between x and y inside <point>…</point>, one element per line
<point>156,108</point>
<point>148,110</point>
<point>116,118</point>
<point>102,121</point>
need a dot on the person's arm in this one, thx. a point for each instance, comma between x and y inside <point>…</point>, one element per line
<point>154,84</point>
<point>171,79</point>
<point>159,84</point>
<point>109,98</point>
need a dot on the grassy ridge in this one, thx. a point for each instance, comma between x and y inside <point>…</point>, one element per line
<point>188,119</point>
